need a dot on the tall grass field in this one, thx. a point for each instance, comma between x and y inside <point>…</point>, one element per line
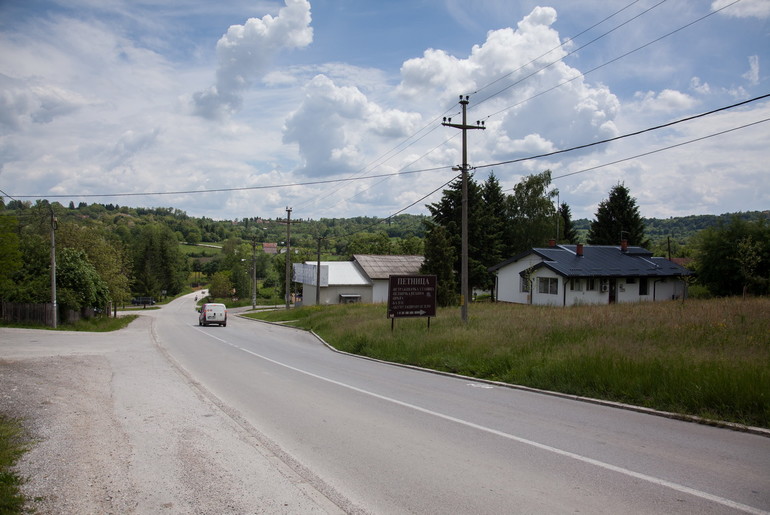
<point>708,358</point>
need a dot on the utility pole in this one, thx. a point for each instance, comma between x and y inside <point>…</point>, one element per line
<point>318,274</point>
<point>53,267</point>
<point>288,223</point>
<point>464,167</point>
<point>254,272</point>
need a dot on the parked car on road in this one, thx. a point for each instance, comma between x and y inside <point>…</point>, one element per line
<point>211,313</point>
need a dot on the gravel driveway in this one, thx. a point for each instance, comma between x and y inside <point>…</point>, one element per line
<point>119,429</point>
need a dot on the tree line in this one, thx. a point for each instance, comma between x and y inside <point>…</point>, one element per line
<point>730,257</point>
<point>107,254</point>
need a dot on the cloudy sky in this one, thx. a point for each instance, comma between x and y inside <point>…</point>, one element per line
<point>334,107</point>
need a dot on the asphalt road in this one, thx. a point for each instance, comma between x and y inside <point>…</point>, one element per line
<point>379,438</point>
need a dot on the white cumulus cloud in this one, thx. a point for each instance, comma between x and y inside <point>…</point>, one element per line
<point>337,127</point>
<point>753,74</point>
<point>246,51</point>
<point>743,9</point>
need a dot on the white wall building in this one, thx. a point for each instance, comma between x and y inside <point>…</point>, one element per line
<point>566,275</point>
<point>365,279</point>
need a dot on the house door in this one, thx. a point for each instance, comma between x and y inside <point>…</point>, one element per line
<point>613,290</point>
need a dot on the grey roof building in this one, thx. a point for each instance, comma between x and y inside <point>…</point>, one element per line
<point>601,274</point>
<point>365,279</point>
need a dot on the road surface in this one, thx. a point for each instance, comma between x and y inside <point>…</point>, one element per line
<point>257,418</point>
<point>395,440</point>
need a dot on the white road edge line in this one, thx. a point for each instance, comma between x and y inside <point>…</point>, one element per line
<point>585,459</point>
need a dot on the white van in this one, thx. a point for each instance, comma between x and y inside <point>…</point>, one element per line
<point>212,314</point>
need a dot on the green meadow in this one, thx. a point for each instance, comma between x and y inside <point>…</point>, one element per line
<point>707,358</point>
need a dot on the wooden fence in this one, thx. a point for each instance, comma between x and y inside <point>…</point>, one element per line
<point>42,314</point>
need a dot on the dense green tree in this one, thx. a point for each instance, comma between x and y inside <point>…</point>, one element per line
<point>221,286</point>
<point>158,263</point>
<point>78,284</point>
<point>10,254</point>
<point>530,213</point>
<point>617,219</point>
<point>411,245</point>
<point>439,259</point>
<point>106,253</point>
<point>733,255</point>
<point>367,243</point>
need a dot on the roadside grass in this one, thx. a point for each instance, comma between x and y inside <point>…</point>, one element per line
<point>100,324</point>
<point>708,358</point>
<point>11,448</point>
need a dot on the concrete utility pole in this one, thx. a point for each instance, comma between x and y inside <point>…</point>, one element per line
<point>318,274</point>
<point>464,247</point>
<point>288,223</point>
<point>254,272</point>
<point>53,269</point>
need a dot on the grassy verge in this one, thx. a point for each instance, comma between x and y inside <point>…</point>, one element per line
<point>709,358</point>
<point>11,448</point>
<point>101,324</point>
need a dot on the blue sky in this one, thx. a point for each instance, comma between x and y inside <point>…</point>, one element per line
<point>287,100</point>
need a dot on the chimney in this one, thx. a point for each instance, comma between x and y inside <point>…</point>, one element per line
<point>579,249</point>
<point>551,242</point>
<point>624,245</point>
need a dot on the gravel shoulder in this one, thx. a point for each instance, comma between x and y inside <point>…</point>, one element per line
<point>117,428</point>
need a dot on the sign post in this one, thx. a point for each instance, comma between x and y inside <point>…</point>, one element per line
<point>411,296</point>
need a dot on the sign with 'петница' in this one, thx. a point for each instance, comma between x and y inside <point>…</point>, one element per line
<point>412,296</point>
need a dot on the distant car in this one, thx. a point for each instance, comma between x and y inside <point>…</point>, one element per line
<point>211,313</point>
<point>143,301</point>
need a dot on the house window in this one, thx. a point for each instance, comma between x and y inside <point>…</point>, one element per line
<point>576,285</point>
<point>548,285</point>
<point>643,286</point>
<point>524,284</point>
<point>591,284</point>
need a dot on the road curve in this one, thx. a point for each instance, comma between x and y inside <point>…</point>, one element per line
<point>384,439</point>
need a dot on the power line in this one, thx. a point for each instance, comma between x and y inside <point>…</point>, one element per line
<point>618,58</point>
<point>566,55</point>
<point>388,155</point>
<point>568,40</point>
<point>388,177</point>
<point>243,188</point>
<point>601,142</point>
<point>662,149</point>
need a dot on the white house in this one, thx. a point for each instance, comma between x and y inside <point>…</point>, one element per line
<point>365,279</point>
<point>566,275</point>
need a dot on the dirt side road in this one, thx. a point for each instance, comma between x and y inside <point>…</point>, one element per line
<point>119,429</point>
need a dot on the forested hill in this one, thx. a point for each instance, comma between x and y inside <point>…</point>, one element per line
<point>337,231</point>
<point>680,228</point>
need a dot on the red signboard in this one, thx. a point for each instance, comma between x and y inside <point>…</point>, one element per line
<point>412,296</point>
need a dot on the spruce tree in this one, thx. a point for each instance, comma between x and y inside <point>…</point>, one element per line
<point>439,261</point>
<point>617,219</point>
<point>568,231</point>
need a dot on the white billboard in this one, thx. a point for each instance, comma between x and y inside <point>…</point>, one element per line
<point>306,274</point>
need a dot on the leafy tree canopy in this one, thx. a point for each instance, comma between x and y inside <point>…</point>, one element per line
<point>734,257</point>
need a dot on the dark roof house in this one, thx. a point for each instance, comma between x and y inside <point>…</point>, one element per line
<point>574,274</point>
